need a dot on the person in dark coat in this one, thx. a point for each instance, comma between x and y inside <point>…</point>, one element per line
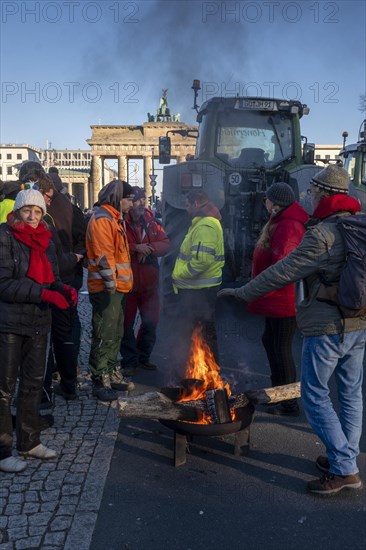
<point>281,234</point>
<point>29,283</point>
<point>147,242</point>
<point>68,221</point>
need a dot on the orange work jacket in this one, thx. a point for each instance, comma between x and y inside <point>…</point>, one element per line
<point>109,266</point>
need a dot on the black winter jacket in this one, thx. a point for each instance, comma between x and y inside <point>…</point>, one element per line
<point>21,310</point>
<point>70,224</point>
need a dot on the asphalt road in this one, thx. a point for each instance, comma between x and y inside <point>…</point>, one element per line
<point>217,500</point>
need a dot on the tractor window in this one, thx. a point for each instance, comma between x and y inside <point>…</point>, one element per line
<point>363,169</point>
<point>202,137</point>
<point>350,163</point>
<point>248,138</point>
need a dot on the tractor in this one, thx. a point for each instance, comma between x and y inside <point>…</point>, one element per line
<point>244,144</point>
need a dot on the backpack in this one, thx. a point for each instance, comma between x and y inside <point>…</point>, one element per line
<point>349,293</point>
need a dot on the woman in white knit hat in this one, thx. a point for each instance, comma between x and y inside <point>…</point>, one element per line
<point>29,283</point>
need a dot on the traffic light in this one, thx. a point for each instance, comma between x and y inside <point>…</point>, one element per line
<point>164,150</point>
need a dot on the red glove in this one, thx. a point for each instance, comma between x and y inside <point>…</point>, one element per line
<point>55,298</point>
<point>70,294</point>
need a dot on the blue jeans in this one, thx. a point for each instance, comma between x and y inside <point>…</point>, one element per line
<point>321,357</point>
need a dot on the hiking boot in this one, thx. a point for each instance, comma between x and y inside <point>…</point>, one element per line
<point>56,376</point>
<point>40,451</point>
<point>322,463</point>
<point>330,484</point>
<point>47,401</point>
<point>12,464</point>
<point>128,371</point>
<point>147,365</point>
<point>282,410</point>
<point>102,389</point>
<point>67,393</point>
<point>118,382</point>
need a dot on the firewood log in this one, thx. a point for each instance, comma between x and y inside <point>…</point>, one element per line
<point>157,405</point>
<point>268,395</point>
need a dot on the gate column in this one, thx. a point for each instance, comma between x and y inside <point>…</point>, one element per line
<point>122,167</point>
<point>96,176</point>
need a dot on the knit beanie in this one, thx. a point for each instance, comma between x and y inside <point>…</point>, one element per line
<point>280,193</point>
<point>333,179</point>
<point>138,193</point>
<point>127,190</point>
<point>30,197</point>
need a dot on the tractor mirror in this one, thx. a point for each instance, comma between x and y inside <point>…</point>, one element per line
<point>164,150</point>
<point>309,153</point>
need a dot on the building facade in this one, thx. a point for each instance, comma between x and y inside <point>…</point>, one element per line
<point>73,165</point>
<point>12,157</point>
<point>325,154</point>
<point>86,171</point>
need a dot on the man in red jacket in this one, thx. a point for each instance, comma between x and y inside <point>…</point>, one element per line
<point>147,242</point>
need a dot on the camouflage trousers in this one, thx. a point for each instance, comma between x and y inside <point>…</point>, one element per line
<point>107,331</point>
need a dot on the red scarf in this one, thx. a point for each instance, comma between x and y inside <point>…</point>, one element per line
<point>336,203</point>
<point>38,240</point>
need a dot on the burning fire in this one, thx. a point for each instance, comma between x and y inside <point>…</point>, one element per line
<point>202,373</point>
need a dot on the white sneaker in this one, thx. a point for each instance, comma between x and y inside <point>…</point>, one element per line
<point>12,464</point>
<point>40,451</point>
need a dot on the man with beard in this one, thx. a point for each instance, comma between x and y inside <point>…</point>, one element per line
<point>147,242</point>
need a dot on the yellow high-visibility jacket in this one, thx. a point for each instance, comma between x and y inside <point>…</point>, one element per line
<point>201,257</point>
<point>109,265</point>
<point>6,206</point>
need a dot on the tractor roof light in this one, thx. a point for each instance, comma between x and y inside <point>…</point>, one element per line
<point>284,106</point>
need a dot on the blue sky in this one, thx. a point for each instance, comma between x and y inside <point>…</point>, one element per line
<point>66,65</point>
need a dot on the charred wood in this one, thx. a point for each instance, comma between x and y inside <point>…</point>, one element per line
<point>157,405</point>
<point>218,405</point>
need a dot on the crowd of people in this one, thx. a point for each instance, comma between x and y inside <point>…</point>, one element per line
<point>45,241</point>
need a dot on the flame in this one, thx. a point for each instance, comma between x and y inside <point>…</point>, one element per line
<point>202,368</point>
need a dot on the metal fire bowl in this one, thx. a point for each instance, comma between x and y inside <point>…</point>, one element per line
<point>244,415</point>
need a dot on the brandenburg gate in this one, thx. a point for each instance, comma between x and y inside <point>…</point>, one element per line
<point>134,142</point>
